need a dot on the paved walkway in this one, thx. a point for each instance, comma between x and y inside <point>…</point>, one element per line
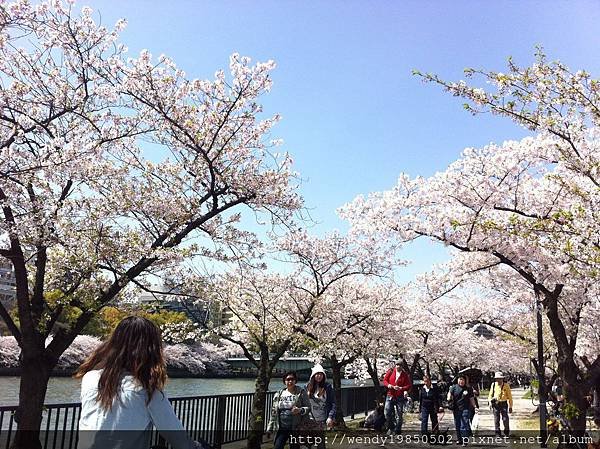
<point>523,423</point>
<point>362,439</point>
<point>523,410</point>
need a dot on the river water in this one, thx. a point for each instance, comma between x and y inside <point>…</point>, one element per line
<point>66,389</point>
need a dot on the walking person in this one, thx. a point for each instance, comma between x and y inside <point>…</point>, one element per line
<point>476,393</point>
<point>501,402</point>
<point>398,384</point>
<point>322,402</point>
<point>289,406</point>
<point>429,404</point>
<point>461,398</point>
<point>122,396</point>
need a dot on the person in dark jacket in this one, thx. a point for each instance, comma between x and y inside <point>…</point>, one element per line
<point>322,402</point>
<point>475,388</point>
<point>429,404</point>
<point>461,398</point>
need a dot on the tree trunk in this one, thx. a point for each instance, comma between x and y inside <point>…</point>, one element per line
<point>336,368</point>
<point>256,422</point>
<point>574,391</point>
<point>372,370</point>
<point>412,369</point>
<point>574,388</point>
<point>35,374</point>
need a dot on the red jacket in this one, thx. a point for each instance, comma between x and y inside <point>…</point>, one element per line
<point>403,382</point>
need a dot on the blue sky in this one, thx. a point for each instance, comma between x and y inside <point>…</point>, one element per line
<point>354,116</point>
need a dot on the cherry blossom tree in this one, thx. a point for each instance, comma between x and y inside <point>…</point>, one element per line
<point>113,169</point>
<point>267,315</point>
<point>351,312</point>
<point>334,267</point>
<point>440,332</point>
<point>275,312</point>
<point>530,206</point>
<point>387,337</point>
<point>455,303</point>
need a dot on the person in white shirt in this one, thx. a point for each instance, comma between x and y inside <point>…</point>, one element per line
<point>122,394</point>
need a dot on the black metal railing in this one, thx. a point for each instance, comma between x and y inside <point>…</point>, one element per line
<point>217,419</point>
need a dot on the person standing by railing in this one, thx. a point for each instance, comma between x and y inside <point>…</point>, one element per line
<point>322,402</point>
<point>289,406</point>
<point>122,396</point>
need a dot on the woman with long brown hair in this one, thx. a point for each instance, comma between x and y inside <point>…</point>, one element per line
<point>322,403</point>
<point>122,396</point>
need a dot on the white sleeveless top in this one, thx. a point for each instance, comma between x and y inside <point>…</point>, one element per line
<point>129,422</point>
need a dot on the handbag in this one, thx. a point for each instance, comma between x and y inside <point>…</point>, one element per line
<point>308,425</point>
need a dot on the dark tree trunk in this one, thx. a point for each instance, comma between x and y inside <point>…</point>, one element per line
<point>256,422</point>
<point>372,370</point>
<point>35,374</point>
<point>441,367</point>
<point>336,368</point>
<point>37,363</point>
<point>575,392</point>
<point>412,369</point>
<point>575,385</point>
<point>576,396</point>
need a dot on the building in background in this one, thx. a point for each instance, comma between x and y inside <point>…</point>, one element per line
<point>165,299</point>
<point>8,290</point>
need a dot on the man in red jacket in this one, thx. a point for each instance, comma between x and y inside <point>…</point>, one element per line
<point>398,384</point>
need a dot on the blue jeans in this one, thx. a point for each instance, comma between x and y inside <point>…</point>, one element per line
<point>462,424</point>
<point>425,415</point>
<point>281,438</point>
<point>394,406</point>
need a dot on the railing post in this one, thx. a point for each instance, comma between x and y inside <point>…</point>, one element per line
<point>220,430</point>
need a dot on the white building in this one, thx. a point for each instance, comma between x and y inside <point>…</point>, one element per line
<point>8,292</point>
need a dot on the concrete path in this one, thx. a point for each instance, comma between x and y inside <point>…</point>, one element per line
<point>522,411</point>
<point>363,439</point>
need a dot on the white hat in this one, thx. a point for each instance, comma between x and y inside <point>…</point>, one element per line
<point>498,375</point>
<point>318,369</point>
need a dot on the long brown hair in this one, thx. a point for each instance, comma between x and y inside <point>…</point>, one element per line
<point>316,388</point>
<point>135,348</point>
